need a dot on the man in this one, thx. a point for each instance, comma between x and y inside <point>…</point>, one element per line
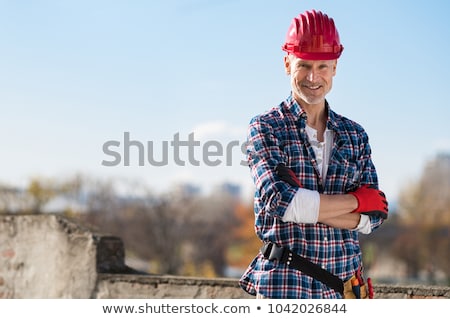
<point>316,185</point>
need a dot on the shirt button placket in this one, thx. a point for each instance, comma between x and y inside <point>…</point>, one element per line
<point>325,239</point>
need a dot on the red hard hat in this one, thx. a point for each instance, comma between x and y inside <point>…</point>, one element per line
<point>313,36</point>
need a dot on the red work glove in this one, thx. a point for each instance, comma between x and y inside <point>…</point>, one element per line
<point>287,175</point>
<point>371,201</point>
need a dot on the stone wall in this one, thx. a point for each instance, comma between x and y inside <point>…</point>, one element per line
<point>48,256</point>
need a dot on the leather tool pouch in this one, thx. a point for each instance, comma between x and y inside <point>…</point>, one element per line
<point>349,292</point>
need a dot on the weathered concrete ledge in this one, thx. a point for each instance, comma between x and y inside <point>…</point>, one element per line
<point>49,256</point>
<point>162,287</point>
<point>411,292</point>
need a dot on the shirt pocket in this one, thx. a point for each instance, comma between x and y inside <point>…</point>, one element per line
<point>298,159</point>
<point>294,152</point>
<point>344,172</point>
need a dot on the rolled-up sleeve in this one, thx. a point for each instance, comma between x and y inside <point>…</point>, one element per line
<point>264,154</point>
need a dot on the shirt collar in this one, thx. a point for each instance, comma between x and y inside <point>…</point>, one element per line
<point>295,108</point>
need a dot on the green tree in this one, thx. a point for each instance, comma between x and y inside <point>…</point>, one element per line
<point>41,192</point>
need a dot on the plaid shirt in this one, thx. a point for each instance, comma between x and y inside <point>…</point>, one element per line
<point>279,136</point>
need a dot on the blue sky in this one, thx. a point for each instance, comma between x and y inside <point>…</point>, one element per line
<point>76,74</point>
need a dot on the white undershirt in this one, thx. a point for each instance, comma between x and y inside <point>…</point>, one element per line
<point>304,207</point>
<point>322,150</point>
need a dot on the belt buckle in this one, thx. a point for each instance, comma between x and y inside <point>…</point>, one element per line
<point>276,253</point>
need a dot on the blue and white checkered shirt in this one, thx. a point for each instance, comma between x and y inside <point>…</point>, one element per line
<point>279,136</point>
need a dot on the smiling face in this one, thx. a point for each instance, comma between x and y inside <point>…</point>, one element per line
<point>310,80</point>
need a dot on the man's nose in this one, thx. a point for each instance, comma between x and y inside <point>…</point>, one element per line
<point>311,76</point>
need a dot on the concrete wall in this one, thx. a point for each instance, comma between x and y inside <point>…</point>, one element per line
<point>45,256</point>
<point>48,256</point>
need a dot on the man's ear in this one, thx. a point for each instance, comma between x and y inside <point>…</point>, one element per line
<point>287,64</point>
<point>334,67</point>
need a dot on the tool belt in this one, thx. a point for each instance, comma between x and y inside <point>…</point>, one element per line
<point>354,288</point>
<point>272,252</point>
